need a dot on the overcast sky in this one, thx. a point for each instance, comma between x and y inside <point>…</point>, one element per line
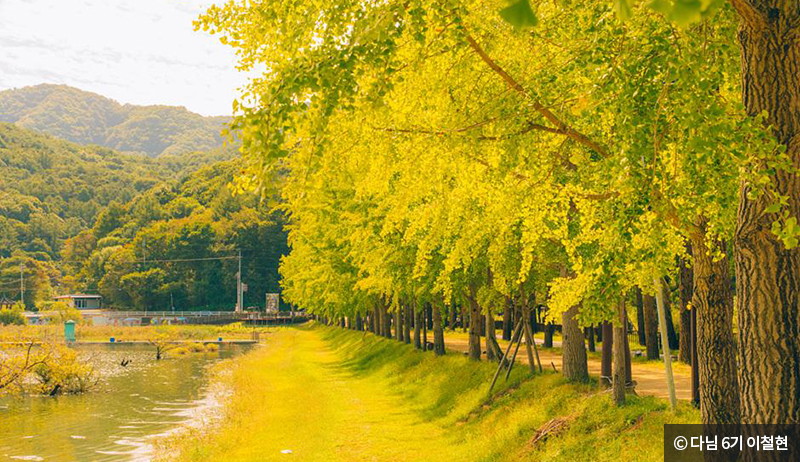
<point>133,51</point>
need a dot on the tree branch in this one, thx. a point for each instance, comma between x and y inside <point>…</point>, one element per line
<point>561,127</point>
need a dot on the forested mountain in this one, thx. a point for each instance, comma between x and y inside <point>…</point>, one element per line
<point>50,190</point>
<point>85,117</point>
<point>177,246</point>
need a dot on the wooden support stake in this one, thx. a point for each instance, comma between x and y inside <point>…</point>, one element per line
<point>516,350</point>
<point>528,341</point>
<point>505,356</point>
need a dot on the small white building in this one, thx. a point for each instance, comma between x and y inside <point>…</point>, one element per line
<point>81,301</point>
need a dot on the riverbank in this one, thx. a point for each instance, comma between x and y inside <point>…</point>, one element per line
<point>327,394</point>
<point>88,333</point>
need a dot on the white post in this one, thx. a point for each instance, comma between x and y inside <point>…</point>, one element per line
<point>22,283</point>
<point>239,286</point>
<point>662,321</point>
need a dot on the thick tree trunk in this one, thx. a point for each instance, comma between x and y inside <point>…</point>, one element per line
<point>589,334</point>
<point>507,321</point>
<point>685,282</point>
<point>573,348</point>
<point>713,300</point>
<point>640,317</point>
<point>438,330</point>
<point>474,351</point>
<point>650,326</point>
<point>607,355</point>
<point>417,329</point>
<point>619,380</point>
<point>767,274</point>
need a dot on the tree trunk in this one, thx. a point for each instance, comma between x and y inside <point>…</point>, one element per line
<point>589,334</point>
<point>387,320</point>
<point>425,327</point>
<point>606,360</point>
<point>378,319</point>
<point>453,316</point>
<point>417,329</point>
<point>620,339</point>
<point>407,323</point>
<point>474,326</point>
<point>650,326</point>
<point>549,328</point>
<point>464,319</point>
<point>396,322</point>
<point>672,337</point>
<point>507,322</point>
<point>429,316</point>
<point>640,317</point>
<point>767,274</point>
<point>713,300</point>
<point>685,283</point>
<point>438,330</point>
<point>493,352</point>
<point>573,349</point>
<point>695,377</point>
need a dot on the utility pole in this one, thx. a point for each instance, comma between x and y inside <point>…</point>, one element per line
<point>22,283</point>
<point>171,302</point>
<point>239,306</point>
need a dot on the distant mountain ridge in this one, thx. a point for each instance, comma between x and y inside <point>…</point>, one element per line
<point>88,118</point>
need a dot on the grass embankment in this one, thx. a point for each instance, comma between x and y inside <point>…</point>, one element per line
<point>333,395</point>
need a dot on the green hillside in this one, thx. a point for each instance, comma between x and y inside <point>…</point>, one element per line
<point>51,190</point>
<point>84,117</point>
<point>175,245</point>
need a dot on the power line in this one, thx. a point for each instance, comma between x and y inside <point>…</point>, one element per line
<point>172,260</point>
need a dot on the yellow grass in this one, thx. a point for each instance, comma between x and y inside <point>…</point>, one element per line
<point>332,395</point>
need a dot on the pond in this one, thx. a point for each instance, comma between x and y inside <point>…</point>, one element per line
<point>119,419</point>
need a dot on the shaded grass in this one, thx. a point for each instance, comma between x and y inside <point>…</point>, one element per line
<point>332,394</point>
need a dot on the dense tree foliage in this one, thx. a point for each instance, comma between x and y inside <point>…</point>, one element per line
<point>438,152</point>
<point>88,118</point>
<point>51,189</point>
<point>177,246</point>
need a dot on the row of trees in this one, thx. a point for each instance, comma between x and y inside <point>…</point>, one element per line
<point>469,153</point>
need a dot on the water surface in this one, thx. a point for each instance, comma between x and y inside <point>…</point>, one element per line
<point>120,419</point>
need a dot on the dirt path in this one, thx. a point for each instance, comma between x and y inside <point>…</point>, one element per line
<point>650,377</point>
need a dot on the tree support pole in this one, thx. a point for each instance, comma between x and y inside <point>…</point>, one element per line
<point>662,317</point>
<point>505,355</point>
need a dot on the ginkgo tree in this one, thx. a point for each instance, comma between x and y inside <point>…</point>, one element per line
<point>438,151</point>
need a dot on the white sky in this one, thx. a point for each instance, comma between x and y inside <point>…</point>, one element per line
<point>133,51</point>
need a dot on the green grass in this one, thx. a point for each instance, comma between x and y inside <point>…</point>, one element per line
<point>334,395</point>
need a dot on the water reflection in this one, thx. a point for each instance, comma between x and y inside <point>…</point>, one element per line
<point>118,420</point>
